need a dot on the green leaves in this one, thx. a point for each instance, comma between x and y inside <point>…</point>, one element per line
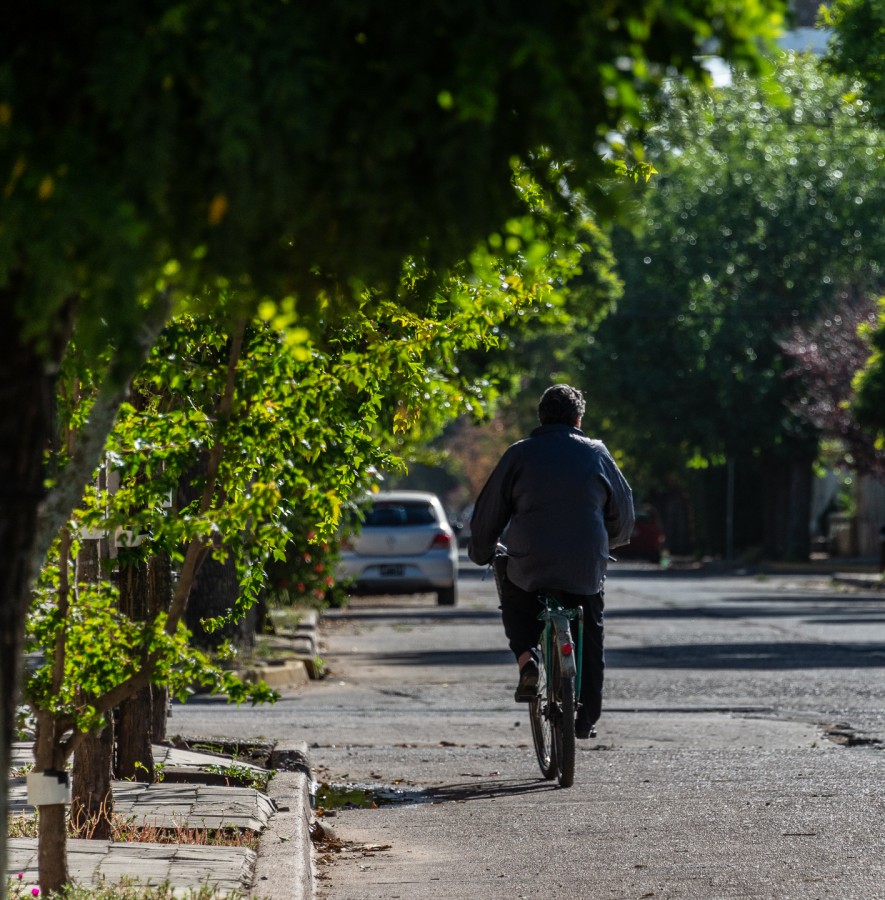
<point>857,47</point>
<point>761,218</point>
<point>870,383</point>
<point>213,144</point>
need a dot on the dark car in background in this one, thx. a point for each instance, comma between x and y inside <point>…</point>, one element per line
<point>648,540</point>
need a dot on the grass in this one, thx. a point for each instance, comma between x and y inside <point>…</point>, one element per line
<point>125,889</point>
<point>125,830</point>
<point>245,776</point>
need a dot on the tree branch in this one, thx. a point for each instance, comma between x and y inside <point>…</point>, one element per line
<point>67,493</point>
<point>197,549</point>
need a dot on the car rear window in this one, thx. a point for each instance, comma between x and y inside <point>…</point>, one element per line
<point>384,514</point>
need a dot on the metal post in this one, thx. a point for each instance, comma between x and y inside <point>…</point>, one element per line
<point>729,511</point>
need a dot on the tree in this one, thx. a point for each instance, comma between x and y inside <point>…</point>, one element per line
<point>857,50</point>
<point>857,46</point>
<point>236,437</point>
<point>283,150</point>
<point>870,383</point>
<point>827,356</point>
<point>761,217</point>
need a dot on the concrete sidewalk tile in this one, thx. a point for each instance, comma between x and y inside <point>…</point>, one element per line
<point>282,869</point>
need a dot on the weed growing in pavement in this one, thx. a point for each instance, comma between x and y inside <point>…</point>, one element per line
<point>159,772</point>
<point>125,830</point>
<point>21,826</point>
<point>243,775</point>
<point>125,889</point>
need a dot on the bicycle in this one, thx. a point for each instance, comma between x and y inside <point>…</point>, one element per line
<point>552,713</point>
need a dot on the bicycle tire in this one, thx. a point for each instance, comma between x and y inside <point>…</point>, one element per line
<point>562,722</point>
<point>542,733</point>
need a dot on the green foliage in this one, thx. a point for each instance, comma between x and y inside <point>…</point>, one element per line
<point>125,889</point>
<point>305,574</point>
<point>294,431</point>
<point>858,47</point>
<point>103,648</point>
<point>295,149</point>
<point>870,383</point>
<point>761,218</point>
<point>245,776</point>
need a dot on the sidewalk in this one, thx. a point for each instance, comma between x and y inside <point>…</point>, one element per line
<point>196,797</point>
<point>862,573</point>
<point>280,870</point>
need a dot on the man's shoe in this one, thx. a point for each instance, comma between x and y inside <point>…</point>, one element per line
<point>584,730</point>
<point>527,689</point>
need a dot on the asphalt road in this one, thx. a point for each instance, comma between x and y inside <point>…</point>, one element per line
<point>739,754</point>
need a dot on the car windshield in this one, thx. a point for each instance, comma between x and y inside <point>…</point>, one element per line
<point>385,514</point>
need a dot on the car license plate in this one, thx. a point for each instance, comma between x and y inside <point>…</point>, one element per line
<point>392,571</point>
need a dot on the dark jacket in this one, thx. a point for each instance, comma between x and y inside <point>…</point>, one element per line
<point>563,502</point>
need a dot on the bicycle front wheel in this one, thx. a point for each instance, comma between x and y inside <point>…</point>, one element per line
<point>563,726</point>
<point>542,733</point>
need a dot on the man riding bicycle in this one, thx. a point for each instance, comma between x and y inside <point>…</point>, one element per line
<point>563,503</point>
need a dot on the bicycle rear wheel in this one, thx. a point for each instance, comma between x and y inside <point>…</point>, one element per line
<point>542,733</point>
<point>563,725</point>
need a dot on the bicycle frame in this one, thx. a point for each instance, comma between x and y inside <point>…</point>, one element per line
<point>552,715</point>
<point>552,712</point>
<point>557,634</point>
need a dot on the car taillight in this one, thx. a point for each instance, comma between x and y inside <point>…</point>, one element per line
<point>441,539</point>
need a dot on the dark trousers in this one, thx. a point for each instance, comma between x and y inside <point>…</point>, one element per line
<point>519,613</point>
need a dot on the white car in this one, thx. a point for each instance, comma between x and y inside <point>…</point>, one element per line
<point>405,546</point>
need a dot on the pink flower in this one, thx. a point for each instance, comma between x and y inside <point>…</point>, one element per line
<point>21,875</point>
<point>35,892</point>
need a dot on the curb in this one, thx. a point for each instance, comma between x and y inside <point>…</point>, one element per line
<point>300,665</point>
<point>870,582</point>
<point>284,869</point>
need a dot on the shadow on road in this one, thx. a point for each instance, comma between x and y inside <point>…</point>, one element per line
<point>486,789</point>
<point>809,607</point>
<point>452,657</point>
<point>742,656</point>
<point>393,613</point>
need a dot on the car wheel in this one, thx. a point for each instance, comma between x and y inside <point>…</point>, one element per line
<point>447,596</point>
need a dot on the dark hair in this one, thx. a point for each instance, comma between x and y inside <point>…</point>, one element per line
<point>561,405</point>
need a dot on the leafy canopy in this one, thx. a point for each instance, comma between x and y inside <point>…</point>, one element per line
<point>858,49</point>
<point>303,149</point>
<point>761,217</point>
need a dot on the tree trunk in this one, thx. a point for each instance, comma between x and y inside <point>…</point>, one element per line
<point>214,594</point>
<point>159,600</point>
<point>160,713</point>
<point>52,857</point>
<point>135,758</point>
<point>787,513</point>
<point>26,404</point>
<point>134,754</point>
<point>88,562</point>
<point>92,803</point>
